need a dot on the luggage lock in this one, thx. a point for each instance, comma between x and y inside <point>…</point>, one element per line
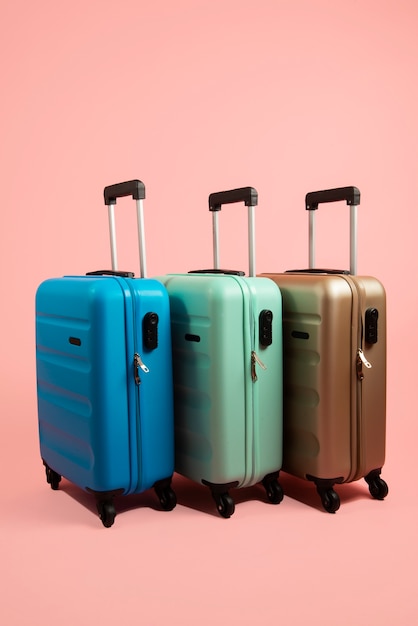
<point>150,331</point>
<point>265,327</point>
<point>371,319</point>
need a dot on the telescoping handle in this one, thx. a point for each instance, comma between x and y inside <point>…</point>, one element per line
<point>249,196</point>
<point>136,189</point>
<point>351,195</point>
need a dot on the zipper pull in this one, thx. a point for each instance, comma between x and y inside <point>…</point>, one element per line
<point>138,363</point>
<point>255,359</point>
<point>361,360</point>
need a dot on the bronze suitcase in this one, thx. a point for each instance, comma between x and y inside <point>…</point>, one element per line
<point>334,337</point>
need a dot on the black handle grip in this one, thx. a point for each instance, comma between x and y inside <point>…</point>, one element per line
<point>248,195</point>
<point>311,270</point>
<point>218,271</point>
<point>122,274</point>
<point>350,194</point>
<point>134,188</point>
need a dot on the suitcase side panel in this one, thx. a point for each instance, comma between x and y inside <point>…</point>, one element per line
<point>372,389</point>
<point>317,320</point>
<point>267,420</point>
<point>155,437</point>
<point>81,379</point>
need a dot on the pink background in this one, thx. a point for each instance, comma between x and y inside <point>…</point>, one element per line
<point>194,97</point>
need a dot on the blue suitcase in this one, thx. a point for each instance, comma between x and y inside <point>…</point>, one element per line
<point>104,378</point>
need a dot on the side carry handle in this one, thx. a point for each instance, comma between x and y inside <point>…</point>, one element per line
<point>249,196</point>
<point>136,189</point>
<point>351,195</point>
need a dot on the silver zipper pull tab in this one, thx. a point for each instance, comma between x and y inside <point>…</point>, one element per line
<point>255,359</point>
<point>361,360</point>
<point>139,364</point>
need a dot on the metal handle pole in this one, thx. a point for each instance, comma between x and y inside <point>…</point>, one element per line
<point>112,232</point>
<point>251,241</point>
<point>141,238</point>
<point>312,239</point>
<point>215,228</point>
<point>353,239</point>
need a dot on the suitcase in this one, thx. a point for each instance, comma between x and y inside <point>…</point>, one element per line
<point>104,378</point>
<point>227,362</point>
<point>334,335</point>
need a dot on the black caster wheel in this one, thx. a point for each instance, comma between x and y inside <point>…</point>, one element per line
<point>378,488</point>
<point>107,513</point>
<point>330,500</point>
<point>167,498</point>
<point>224,504</point>
<point>52,478</point>
<point>274,490</point>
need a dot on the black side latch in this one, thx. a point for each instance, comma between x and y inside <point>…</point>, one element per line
<point>265,324</point>
<point>111,273</point>
<point>370,330</point>
<point>150,331</point>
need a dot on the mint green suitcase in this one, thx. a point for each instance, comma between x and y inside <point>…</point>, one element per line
<point>227,364</point>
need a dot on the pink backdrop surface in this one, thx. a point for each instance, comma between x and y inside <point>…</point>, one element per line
<point>194,97</point>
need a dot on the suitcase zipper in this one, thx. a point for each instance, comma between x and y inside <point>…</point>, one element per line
<point>255,359</point>
<point>133,393</point>
<point>361,360</point>
<point>250,390</point>
<point>139,364</point>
